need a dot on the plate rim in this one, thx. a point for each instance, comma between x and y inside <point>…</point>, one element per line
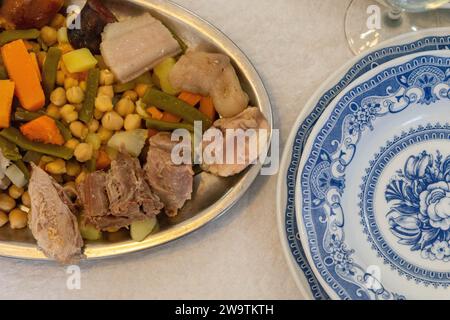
<point>332,81</point>
<point>319,124</point>
<point>93,251</point>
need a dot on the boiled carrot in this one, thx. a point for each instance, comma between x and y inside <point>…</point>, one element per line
<point>18,63</point>
<point>6,99</point>
<point>36,65</point>
<point>190,98</point>
<point>207,108</point>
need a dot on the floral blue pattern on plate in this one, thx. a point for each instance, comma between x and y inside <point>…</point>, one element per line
<point>410,94</point>
<point>429,40</point>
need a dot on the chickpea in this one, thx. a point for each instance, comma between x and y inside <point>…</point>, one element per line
<point>47,159</point>
<point>56,167</point>
<point>68,113</point>
<point>132,95</point>
<point>140,89</point>
<point>6,203</point>
<point>75,95</point>
<point>83,85</point>
<point>18,219</point>
<point>104,134</point>
<point>3,219</point>
<point>106,91</point>
<point>72,144</point>
<point>83,152</point>
<point>58,97</point>
<point>93,126</point>
<point>60,78</point>
<point>98,114</point>
<point>15,192</point>
<point>94,140</point>
<point>106,77</point>
<point>79,130</point>
<point>54,112</point>
<point>103,103</point>
<point>58,21</point>
<point>70,83</point>
<point>26,200</point>
<point>125,107</point>
<point>49,35</point>
<point>73,168</point>
<point>132,122</point>
<point>112,121</point>
<point>81,177</point>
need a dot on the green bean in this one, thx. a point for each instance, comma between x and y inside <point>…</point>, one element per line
<point>32,156</point>
<point>87,112</point>
<point>101,62</point>
<point>15,136</point>
<point>168,126</point>
<point>180,41</point>
<point>91,165</point>
<point>122,87</point>
<point>145,78</point>
<point>65,132</point>
<point>175,106</point>
<point>11,35</point>
<point>22,167</point>
<point>49,70</point>
<point>25,116</point>
<point>3,73</point>
<point>9,150</point>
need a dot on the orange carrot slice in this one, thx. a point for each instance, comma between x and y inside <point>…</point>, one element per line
<point>6,99</point>
<point>169,117</point>
<point>103,161</point>
<point>207,108</point>
<point>190,98</point>
<point>155,113</point>
<point>36,65</point>
<point>18,63</point>
<point>43,129</point>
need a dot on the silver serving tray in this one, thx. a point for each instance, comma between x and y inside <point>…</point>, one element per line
<point>212,196</point>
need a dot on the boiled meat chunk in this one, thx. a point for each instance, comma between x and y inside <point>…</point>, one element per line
<point>134,46</point>
<point>210,74</point>
<point>172,183</point>
<point>52,219</point>
<point>251,118</point>
<point>118,198</point>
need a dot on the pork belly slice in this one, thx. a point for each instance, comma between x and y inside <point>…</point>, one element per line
<point>52,219</point>
<point>134,46</point>
<point>128,193</point>
<point>210,74</point>
<point>172,183</point>
<point>251,118</point>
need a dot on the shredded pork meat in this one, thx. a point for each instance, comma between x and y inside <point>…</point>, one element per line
<point>52,219</point>
<point>172,183</point>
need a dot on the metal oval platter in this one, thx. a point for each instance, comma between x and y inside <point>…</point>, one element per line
<point>373,187</point>
<point>212,196</point>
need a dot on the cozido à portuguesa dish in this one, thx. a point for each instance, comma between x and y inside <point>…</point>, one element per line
<point>87,116</point>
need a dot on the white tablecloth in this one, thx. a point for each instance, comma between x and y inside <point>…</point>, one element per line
<point>295,45</point>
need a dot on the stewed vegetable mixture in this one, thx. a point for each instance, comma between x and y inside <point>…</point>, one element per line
<point>82,107</point>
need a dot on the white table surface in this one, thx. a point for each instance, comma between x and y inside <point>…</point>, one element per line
<point>295,45</point>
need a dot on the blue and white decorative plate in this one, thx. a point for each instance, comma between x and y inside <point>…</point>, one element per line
<point>373,187</point>
<point>433,39</point>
